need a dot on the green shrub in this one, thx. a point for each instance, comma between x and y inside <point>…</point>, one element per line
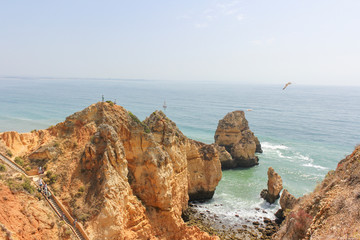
<point>28,168</point>
<point>56,144</point>
<point>51,177</point>
<point>19,161</point>
<point>110,102</point>
<point>2,168</point>
<point>34,130</point>
<point>81,189</point>
<point>27,186</point>
<point>147,129</point>
<point>49,173</point>
<point>14,185</point>
<point>9,153</point>
<point>84,217</point>
<point>136,119</point>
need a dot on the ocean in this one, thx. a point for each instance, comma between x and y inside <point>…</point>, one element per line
<point>304,130</point>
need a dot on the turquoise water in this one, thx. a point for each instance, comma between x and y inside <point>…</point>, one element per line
<point>304,130</point>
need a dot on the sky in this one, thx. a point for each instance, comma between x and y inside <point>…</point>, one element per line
<point>252,41</point>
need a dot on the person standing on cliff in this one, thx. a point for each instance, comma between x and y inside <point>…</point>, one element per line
<point>45,189</point>
<point>40,184</point>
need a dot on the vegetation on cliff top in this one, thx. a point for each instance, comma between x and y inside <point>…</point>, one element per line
<point>137,120</point>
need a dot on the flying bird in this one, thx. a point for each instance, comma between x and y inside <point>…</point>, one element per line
<point>286,85</point>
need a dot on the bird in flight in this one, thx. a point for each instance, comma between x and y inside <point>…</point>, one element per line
<point>286,85</point>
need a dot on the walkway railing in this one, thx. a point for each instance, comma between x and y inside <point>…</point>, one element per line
<point>54,203</point>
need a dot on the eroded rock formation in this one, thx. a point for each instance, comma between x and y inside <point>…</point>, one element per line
<point>332,210</point>
<point>274,186</point>
<point>287,200</point>
<point>123,178</point>
<point>234,134</point>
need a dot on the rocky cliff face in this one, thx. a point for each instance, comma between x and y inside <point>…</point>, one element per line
<point>123,178</point>
<point>332,210</point>
<point>202,159</point>
<point>234,134</point>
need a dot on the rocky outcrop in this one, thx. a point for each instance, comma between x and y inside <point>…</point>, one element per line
<point>332,210</point>
<point>23,143</point>
<point>203,165</point>
<point>225,157</point>
<point>234,134</point>
<point>123,178</point>
<point>274,186</point>
<point>287,200</point>
<point>204,170</point>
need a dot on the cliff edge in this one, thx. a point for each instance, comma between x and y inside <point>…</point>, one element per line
<point>122,178</point>
<point>332,210</point>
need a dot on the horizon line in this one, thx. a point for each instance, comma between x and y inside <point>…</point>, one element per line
<point>171,80</point>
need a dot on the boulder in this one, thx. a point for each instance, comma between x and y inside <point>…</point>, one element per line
<point>234,135</point>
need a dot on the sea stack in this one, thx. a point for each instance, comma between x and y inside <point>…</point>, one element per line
<point>274,186</point>
<point>234,134</point>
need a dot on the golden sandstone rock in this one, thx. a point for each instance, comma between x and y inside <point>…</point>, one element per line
<point>124,179</point>
<point>234,134</point>
<point>274,186</point>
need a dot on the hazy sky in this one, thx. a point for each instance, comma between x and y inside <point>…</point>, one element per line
<point>304,41</point>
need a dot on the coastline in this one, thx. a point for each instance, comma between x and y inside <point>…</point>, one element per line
<point>244,228</point>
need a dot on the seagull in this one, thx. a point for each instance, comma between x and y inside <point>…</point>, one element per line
<point>286,85</point>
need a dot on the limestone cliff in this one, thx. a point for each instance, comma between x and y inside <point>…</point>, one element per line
<point>234,134</point>
<point>202,159</point>
<point>332,210</point>
<point>122,178</point>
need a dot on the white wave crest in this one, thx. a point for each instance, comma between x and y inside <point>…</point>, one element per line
<point>282,156</point>
<point>306,158</point>
<point>314,166</point>
<point>267,145</point>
